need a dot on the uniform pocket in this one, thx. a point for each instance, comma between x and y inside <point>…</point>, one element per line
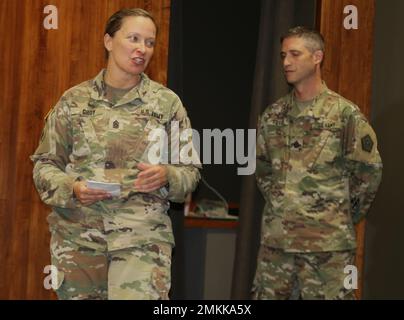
<point>153,143</point>
<point>277,143</point>
<point>161,274</point>
<point>81,147</point>
<point>322,147</point>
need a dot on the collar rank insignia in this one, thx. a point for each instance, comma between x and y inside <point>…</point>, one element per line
<point>367,143</point>
<point>115,124</point>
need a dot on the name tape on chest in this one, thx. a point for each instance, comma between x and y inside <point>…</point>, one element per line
<point>150,113</point>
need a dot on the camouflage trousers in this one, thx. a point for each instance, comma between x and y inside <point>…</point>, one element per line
<point>283,275</point>
<point>136,273</point>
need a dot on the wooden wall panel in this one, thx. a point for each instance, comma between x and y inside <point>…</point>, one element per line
<point>348,67</point>
<point>349,53</point>
<point>36,67</point>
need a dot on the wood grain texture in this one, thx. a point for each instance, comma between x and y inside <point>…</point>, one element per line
<point>347,69</point>
<point>36,67</point>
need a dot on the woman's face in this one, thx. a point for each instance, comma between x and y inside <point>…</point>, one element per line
<point>132,46</point>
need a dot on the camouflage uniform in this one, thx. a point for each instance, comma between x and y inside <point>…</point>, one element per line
<point>318,169</point>
<point>88,137</point>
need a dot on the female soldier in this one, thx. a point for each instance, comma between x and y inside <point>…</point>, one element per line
<point>113,245</point>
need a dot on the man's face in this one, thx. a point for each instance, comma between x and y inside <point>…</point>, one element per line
<point>132,46</point>
<point>299,63</point>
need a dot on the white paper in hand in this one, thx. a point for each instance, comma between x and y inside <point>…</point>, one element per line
<point>112,188</point>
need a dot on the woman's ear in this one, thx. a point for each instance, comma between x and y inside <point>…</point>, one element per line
<point>108,42</point>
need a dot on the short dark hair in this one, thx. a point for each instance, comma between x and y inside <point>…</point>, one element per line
<point>114,22</point>
<point>314,39</point>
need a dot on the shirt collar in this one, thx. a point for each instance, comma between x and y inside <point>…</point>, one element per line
<point>310,109</point>
<point>324,89</point>
<point>140,91</point>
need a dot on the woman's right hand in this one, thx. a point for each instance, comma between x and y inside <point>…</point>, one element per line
<point>88,196</point>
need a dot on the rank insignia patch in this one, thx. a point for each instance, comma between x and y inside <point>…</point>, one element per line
<point>367,143</point>
<point>296,145</point>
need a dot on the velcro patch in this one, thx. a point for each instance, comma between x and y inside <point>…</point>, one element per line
<point>367,143</point>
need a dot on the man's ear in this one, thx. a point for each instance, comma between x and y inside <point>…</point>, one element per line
<point>108,42</point>
<point>318,56</point>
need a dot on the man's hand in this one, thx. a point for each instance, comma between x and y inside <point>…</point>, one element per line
<point>88,196</point>
<point>151,177</point>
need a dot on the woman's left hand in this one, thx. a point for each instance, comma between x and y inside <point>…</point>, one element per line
<point>151,177</point>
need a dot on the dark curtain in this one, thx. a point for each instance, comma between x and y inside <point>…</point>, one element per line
<point>277,16</point>
<point>176,212</point>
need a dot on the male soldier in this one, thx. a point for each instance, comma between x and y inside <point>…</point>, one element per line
<point>319,169</point>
